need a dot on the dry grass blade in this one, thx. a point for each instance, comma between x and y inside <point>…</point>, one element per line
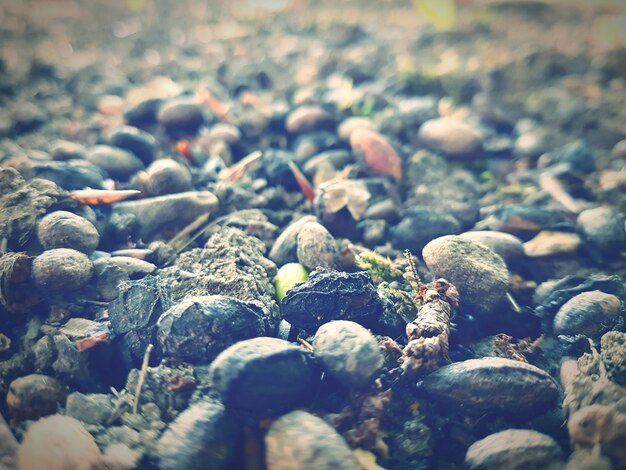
<point>142,377</point>
<point>236,171</point>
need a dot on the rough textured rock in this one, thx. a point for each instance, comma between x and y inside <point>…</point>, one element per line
<point>62,269</point>
<point>62,229</point>
<point>590,313</point>
<point>35,395</point>
<point>93,408</point>
<point>300,440</point>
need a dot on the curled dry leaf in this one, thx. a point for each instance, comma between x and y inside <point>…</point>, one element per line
<point>340,193</point>
<point>378,153</point>
<point>94,197</point>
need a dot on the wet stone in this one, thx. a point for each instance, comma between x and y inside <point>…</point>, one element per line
<point>181,117</point>
<point>300,440</point>
<point>141,143</point>
<point>92,408</point>
<point>264,376</point>
<point>316,247</point>
<point>118,163</point>
<point>62,229</point>
<point>331,295</point>
<point>450,136</point>
<point>62,269</point>
<point>348,352</point>
<point>513,448</point>
<point>199,328</point>
<point>203,436</point>
<point>35,395</point>
<point>493,385</point>
<point>613,346</point>
<point>590,313</point>
<point>508,246</point>
<point>603,228</point>
<point>420,225</point>
<point>167,176</point>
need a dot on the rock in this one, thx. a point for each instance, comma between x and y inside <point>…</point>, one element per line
<point>141,143</point>
<point>107,277</point>
<point>8,446</point>
<point>263,376</point>
<point>331,295</point>
<point>450,136</point>
<point>62,269</point>
<point>525,221</point>
<point>508,246</point>
<point>576,155</point>
<point>300,440</point>
<point>92,408</point>
<point>479,274</point>
<point>316,247</point>
<point>619,149</point>
<point>514,449</point>
<point>121,457</point>
<point>603,426</point>
<point>493,385</point>
<point>167,176</point>
<point>133,267</point>
<point>377,152</point>
<point>71,174</point>
<point>35,395</point>
<point>199,328</point>
<point>143,113</point>
<point>170,212</point>
<point>62,150</point>
<point>547,243</point>
<point>285,247</point>
<point>203,436</point>
<point>62,229</point>
<point>590,313</point>
<point>181,117</point>
<point>420,225</point>
<point>614,355</point>
<point>58,443</point>
<point>530,144</point>
<point>309,119</point>
<point>603,228</point>
<point>348,352</point>
<point>118,163</point>
<point>352,123</point>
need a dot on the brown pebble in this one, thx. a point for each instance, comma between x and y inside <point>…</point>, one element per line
<point>62,269</point>
<point>62,229</point>
<point>450,136</point>
<point>35,395</point>
<point>167,176</point>
<point>308,119</point>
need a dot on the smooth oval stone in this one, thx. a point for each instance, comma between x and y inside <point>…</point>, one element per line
<point>513,449</point>
<point>225,132</point>
<point>35,395</point>
<point>479,274</point>
<point>62,229</point>
<point>548,243</point>
<point>302,441</point>
<point>199,328</point>
<point>316,246</point>
<point>202,436</point>
<point>134,267</point>
<point>263,376</point>
<point>378,153</point>
<point>167,176</point>
<point>352,123</point>
<point>285,247</point>
<point>450,136</point>
<point>589,313</point>
<point>420,225</point>
<point>66,150</point>
<point>62,269</point>
<point>309,119</point>
<point>348,352</point>
<point>603,227</point>
<point>118,163</point>
<point>493,385</point>
<point>137,141</point>
<point>181,117</point>
<point>504,244</point>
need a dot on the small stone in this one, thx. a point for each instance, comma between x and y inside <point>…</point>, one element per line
<point>479,274</point>
<point>450,136</point>
<point>111,105</point>
<point>62,229</point>
<point>167,176</point>
<point>203,436</point>
<point>71,174</point>
<point>348,352</point>
<point>619,149</point>
<point>118,163</point>
<point>504,244</point>
<point>316,247</point>
<point>263,376</point>
<point>352,123</point>
<point>300,441</point>
<point>547,243</point>
<point>309,119</point>
<point>58,443</point>
<point>62,269</point>
<point>65,150</point>
<point>377,152</point>
<point>590,313</point>
<point>493,385</point>
<point>181,117</point>
<point>513,448</point>
<point>420,225</point>
<point>92,408</point>
<point>613,345</point>
<point>530,145</point>
<point>141,143</point>
<point>143,113</point>
<point>187,331</point>
<point>603,228</point>
<point>133,267</point>
<point>285,247</point>
<point>119,456</point>
<point>35,395</point>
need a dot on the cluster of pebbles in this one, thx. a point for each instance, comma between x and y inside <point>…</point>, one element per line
<point>205,269</point>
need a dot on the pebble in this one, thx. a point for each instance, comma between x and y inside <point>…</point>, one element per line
<point>420,225</point>
<point>141,143</point>
<point>8,446</point>
<point>479,274</point>
<point>590,313</point>
<point>525,221</point>
<point>62,229</point>
<point>58,443</point>
<point>111,105</point>
<point>603,228</point>
<point>316,247</point>
<point>530,145</point>
<point>493,385</point>
<point>118,163</point>
<point>450,136</point>
<point>92,408</point>
<point>199,328</point>
<point>619,149</point>
<point>548,243</point>
<point>35,395</point>
<point>513,448</point>
<point>133,267</point>
<point>331,295</point>
<point>285,248</point>
<point>202,436</point>
<point>309,118</point>
<point>576,155</point>
<point>143,113</point>
<point>167,176</point>
<point>181,117</point>
<point>352,123</point>
<point>171,211</point>
<point>61,269</point>
<point>301,441</point>
<point>71,174</point>
<point>377,152</point>
<point>107,277</point>
<point>62,150</point>
<point>508,246</point>
<point>264,376</point>
<point>348,352</point>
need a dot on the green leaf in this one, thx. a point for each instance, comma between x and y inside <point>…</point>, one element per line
<point>441,13</point>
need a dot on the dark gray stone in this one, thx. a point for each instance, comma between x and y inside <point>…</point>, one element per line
<point>118,163</point>
<point>92,408</point>
<point>137,141</point>
<point>420,225</point>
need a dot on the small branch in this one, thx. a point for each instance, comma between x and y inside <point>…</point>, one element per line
<point>142,377</point>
